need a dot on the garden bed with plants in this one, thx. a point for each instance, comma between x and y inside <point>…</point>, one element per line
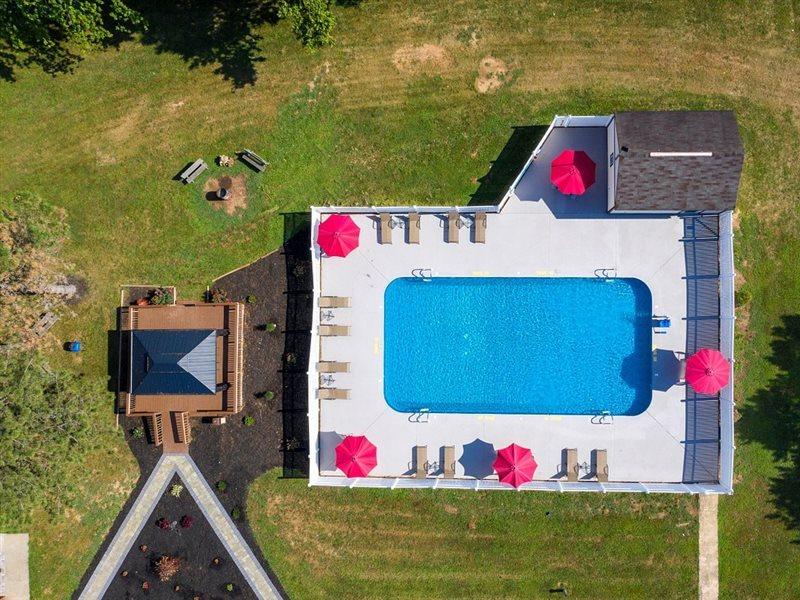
<point>178,555</point>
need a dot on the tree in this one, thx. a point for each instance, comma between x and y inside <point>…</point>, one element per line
<point>47,33</point>
<point>46,416</point>
<point>312,21</point>
<point>32,233</point>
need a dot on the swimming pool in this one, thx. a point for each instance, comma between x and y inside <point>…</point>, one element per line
<point>541,345</point>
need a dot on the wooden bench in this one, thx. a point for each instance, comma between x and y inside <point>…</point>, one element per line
<point>191,173</point>
<point>254,160</point>
<point>44,324</point>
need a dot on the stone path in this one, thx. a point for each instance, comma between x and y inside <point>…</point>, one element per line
<point>709,555</point>
<point>14,580</point>
<point>226,531</point>
<point>142,509</point>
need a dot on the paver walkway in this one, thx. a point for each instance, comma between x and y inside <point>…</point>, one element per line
<point>709,554</point>
<point>143,507</point>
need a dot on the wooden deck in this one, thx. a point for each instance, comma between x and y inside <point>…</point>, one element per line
<point>181,316</point>
<point>176,410</point>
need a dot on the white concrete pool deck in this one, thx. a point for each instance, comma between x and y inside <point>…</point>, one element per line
<point>526,239</point>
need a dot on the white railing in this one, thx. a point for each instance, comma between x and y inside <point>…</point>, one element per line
<point>726,334</point>
<point>492,484</point>
<point>558,121</point>
<point>403,210</point>
<point>313,359</point>
<point>726,405</point>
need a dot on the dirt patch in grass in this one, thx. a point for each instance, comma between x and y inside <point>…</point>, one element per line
<point>424,58</point>
<point>237,190</point>
<point>492,74</point>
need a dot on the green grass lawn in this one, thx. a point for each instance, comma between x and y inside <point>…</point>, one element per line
<point>341,543</point>
<point>390,115</point>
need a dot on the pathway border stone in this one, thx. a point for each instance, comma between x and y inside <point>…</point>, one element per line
<point>709,548</point>
<point>155,487</point>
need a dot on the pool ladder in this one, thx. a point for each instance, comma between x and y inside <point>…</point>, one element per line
<point>420,416</point>
<point>603,418</point>
<point>424,274</point>
<point>606,273</point>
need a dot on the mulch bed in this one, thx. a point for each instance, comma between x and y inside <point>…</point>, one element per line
<point>275,362</point>
<point>196,546</point>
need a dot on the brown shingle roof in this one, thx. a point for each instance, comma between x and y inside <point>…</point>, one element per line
<point>678,183</point>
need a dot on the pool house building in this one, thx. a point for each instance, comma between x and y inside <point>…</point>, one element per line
<point>575,336</point>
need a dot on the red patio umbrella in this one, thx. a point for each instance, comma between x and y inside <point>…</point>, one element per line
<point>514,465</point>
<point>572,172</point>
<point>356,456</point>
<point>338,235</point>
<point>707,371</point>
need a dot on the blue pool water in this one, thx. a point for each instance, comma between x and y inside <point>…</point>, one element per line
<point>542,345</point>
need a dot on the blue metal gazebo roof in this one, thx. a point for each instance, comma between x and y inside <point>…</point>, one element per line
<point>173,361</point>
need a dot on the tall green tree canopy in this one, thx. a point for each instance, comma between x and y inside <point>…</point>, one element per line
<point>47,33</point>
<point>45,422</point>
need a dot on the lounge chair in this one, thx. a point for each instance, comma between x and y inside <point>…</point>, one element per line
<point>572,464</point>
<point>601,465</point>
<point>334,302</point>
<point>331,366</point>
<point>449,466</point>
<point>421,461</point>
<point>413,228</point>
<point>334,330</point>
<point>333,394</point>
<point>682,370</point>
<point>386,229</point>
<point>453,223</point>
<point>480,227</point>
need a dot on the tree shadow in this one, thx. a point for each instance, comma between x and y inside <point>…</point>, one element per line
<point>297,340</point>
<point>772,417</point>
<point>507,165</point>
<point>205,32</point>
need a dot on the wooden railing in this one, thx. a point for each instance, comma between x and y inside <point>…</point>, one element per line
<point>183,427</point>
<point>156,426</point>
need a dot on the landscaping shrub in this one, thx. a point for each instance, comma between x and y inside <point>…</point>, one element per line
<point>167,567</point>
<point>187,522</point>
<point>312,21</point>
<point>137,432</point>
<point>219,295</point>
<point>249,421</point>
<point>299,270</point>
<point>162,523</point>
<point>222,485</point>
<point>176,490</point>
<point>236,513</point>
<point>229,587</point>
<point>161,296</point>
<point>270,327</point>
<point>251,299</point>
